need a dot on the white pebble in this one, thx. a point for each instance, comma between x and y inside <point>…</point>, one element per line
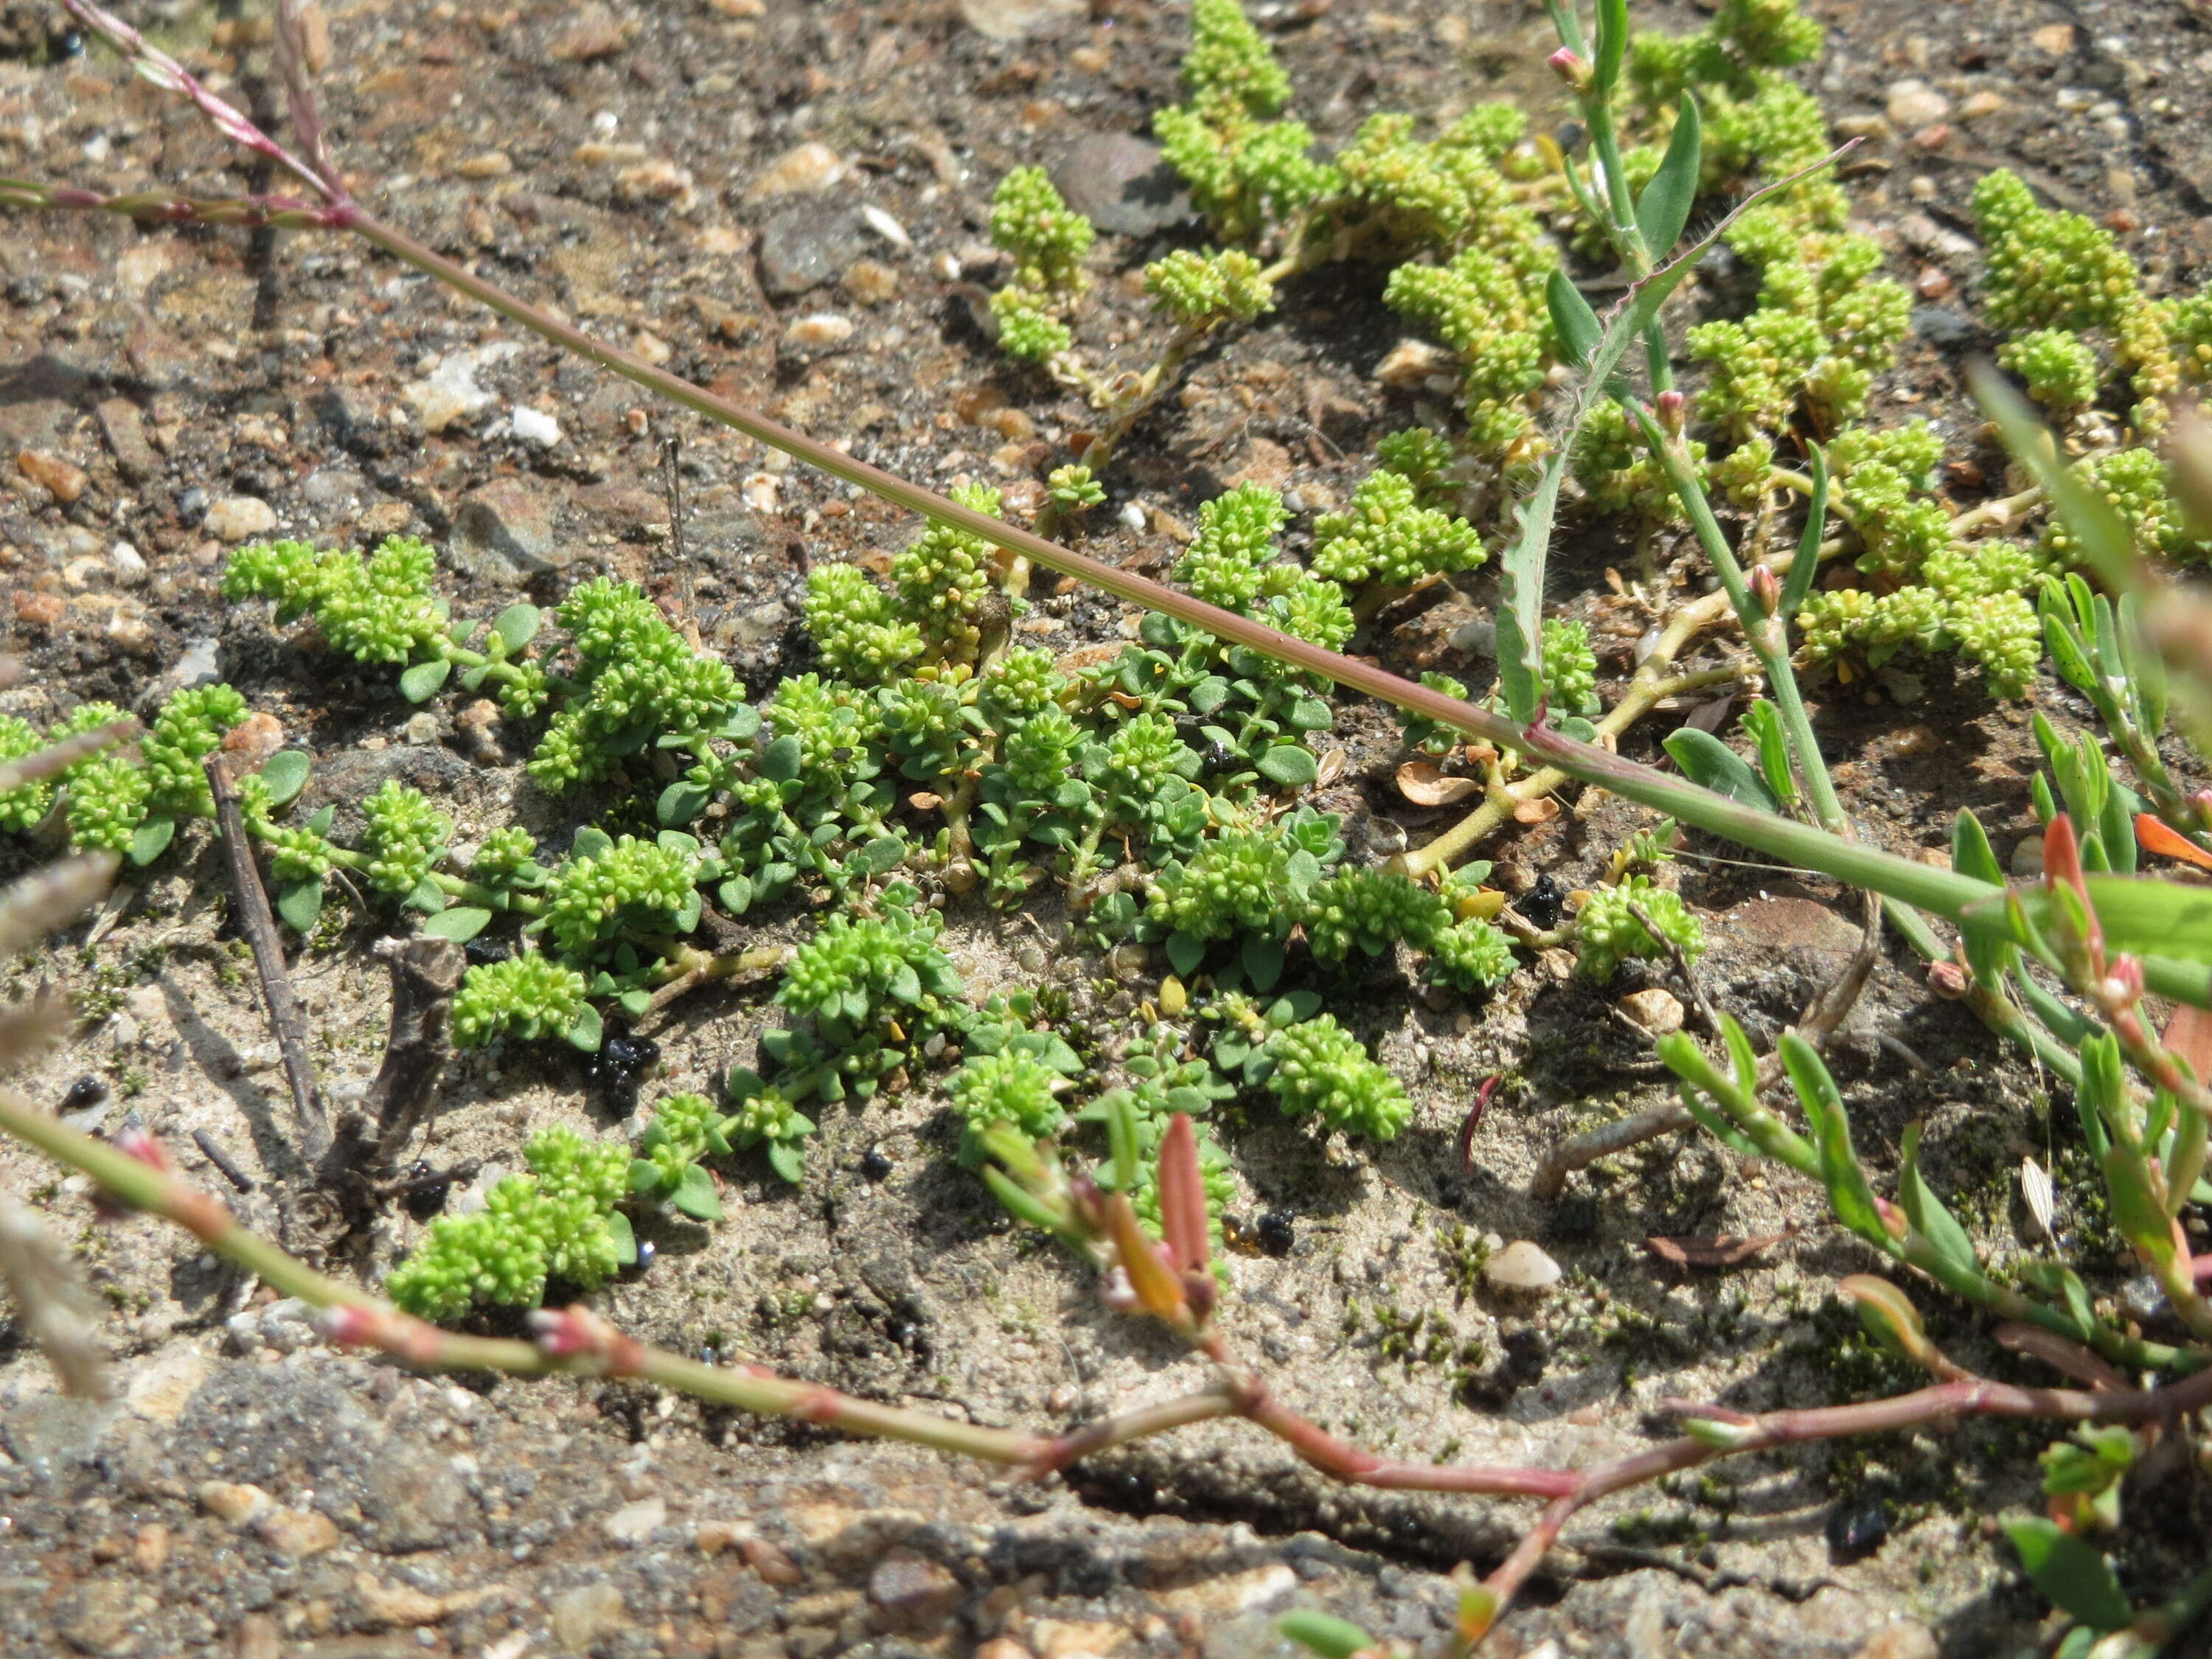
<point>1133,515</point>
<point>1521,1266</point>
<point>885,226</point>
<point>533,428</point>
<point>130,563</point>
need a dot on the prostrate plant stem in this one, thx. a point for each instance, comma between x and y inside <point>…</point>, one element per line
<point>1944,892</point>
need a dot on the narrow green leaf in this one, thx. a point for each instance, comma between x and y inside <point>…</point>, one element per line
<point>1970,852</point>
<point>421,682</point>
<point>1807,565</point>
<point>2184,1159</point>
<point>461,923</point>
<point>2105,538</point>
<point>2070,1570</point>
<point>286,772</point>
<point>1926,1211</point>
<point>1762,723</point>
<point>1705,759</point>
<point>694,1195</point>
<point>301,905</point>
<point>1611,46</point>
<point>151,839</point>
<point>1663,211</point>
<point>1849,1194</point>
<point>2143,915</point>
<point>2140,1219</point>
<point>1578,328</point>
<point>516,626</point>
<point>1332,1638</point>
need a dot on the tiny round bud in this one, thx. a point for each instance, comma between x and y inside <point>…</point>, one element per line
<point>1949,980</point>
<point>1766,590</point>
<point>1571,67</point>
<point>1672,409</point>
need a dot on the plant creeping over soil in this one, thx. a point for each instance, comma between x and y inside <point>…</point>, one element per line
<point>1174,800</point>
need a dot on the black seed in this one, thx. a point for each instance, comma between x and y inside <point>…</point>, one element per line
<point>875,1165</point>
<point>1857,1528</point>
<point>86,1090</point>
<point>630,1054</point>
<point>1542,904</point>
<point>1277,1231</point>
<point>1221,759</point>
<point>1526,1352</point>
<point>481,951</point>
<point>423,1202</point>
<point>619,1090</point>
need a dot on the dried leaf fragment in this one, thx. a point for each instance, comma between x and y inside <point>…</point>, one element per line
<point>1724,1251</point>
<point>1425,784</point>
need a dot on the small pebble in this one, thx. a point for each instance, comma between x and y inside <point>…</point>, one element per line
<point>1913,104</point>
<point>805,167</point>
<point>1521,1265</point>
<point>65,482</point>
<point>533,427</point>
<point>237,518</point>
<point>886,227</point>
<point>1659,1012</point>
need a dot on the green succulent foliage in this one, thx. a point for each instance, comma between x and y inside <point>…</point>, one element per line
<point>2060,369</point>
<point>857,627</point>
<point>636,682</point>
<point>383,608</point>
<point>764,1117</point>
<point>1431,736</point>
<point>1032,221</point>
<point>406,840</point>
<point>1317,1068</point>
<point>1236,539</point>
<point>557,1222</point>
<point>21,807</point>
<point>627,883</point>
<point>1570,666</point>
<point>1198,290</point>
<point>666,1169</point>
<point>1384,536</point>
<point>524,996</point>
<point>1073,489</point>
<point>1606,932</point>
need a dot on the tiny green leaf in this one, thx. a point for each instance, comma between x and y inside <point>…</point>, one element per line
<point>286,775</point>
<point>1578,328</point>
<point>151,839</point>
<point>1807,565</point>
<point>1705,759</point>
<point>787,1159</point>
<point>587,1030</point>
<point>1263,962</point>
<point>619,1229</point>
<point>461,923</point>
<point>1185,953</point>
<point>516,626</point>
<point>1330,1637</point>
<point>301,904</point>
<point>1612,48</point>
<point>421,682</point>
<point>2070,1570</point>
<point>694,1195</point>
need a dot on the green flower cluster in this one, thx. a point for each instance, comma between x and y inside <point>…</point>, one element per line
<point>2060,369</point>
<point>1606,932</point>
<point>630,884</point>
<point>857,627</point>
<point>1235,540</point>
<point>525,996</point>
<point>118,803</point>
<point>1245,171</point>
<point>2135,485</point>
<point>378,609</point>
<point>1487,304</point>
<point>406,838</point>
<point>557,1222</point>
<point>636,679</point>
<point>1198,290</point>
<point>1570,666</point>
<point>1320,1069</point>
<point>1032,220</point>
<point>1010,1086</point>
<point>1384,536</point>
<point>2046,268</point>
<point>382,609</point>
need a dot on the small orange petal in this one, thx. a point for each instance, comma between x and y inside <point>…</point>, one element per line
<point>2153,837</point>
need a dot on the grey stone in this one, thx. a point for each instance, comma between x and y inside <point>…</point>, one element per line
<point>1009,19</point>
<point>52,1431</point>
<point>507,524</point>
<point>1942,326</point>
<point>1121,184</point>
<point>582,1615</point>
<point>328,487</point>
<point>200,664</point>
<point>98,1618</point>
<point>411,1499</point>
<point>125,431</point>
<point>803,246</point>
